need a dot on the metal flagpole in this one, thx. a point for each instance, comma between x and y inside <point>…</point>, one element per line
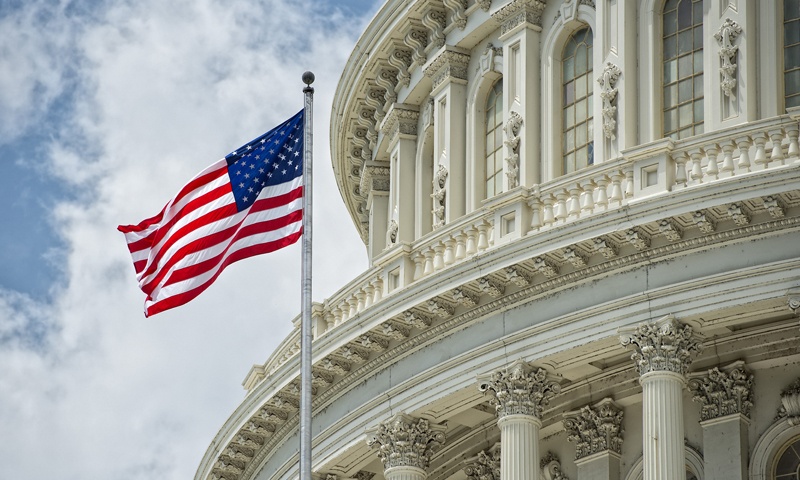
<point>305,327</point>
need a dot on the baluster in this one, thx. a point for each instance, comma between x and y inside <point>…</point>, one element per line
<point>549,216</point>
<point>777,149</point>
<point>793,131</point>
<point>378,289</point>
<point>697,172</point>
<point>743,144</point>
<point>419,264</point>
<point>369,290</point>
<point>361,297</point>
<point>602,192</point>
<point>629,183</point>
<point>345,311</point>
<point>712,169</point>
<point>587,205</point>
<point>727,157</point>
<point>680,168</point>
<point>460,253</point>
<point>449,251</point>
<point>438,256</point>
<point>561,206</point>
<point>330,320</point>
<point>428,261</point>
<point>472,241</point>
<point>761,156</point>
<point>353,302</point>
<point>337,316</point>
<point>483,242</point>
<point>535,203</point>
<point>574,205</point>
<point>616,189</point>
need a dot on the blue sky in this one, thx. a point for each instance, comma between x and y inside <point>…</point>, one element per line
<point>106,109</point>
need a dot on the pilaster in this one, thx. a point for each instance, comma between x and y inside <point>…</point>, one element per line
<point>405,445</point>
<point>663,351</point>
<point>448,74</point>
<point>374,185</point>
<point>521,27</point>
<point>400,127</point>
<point>519,394</point>
<point>726,396</point>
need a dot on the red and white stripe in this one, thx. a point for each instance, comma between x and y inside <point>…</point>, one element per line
<point>179,252</point>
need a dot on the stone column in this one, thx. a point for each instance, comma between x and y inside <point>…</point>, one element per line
<point>405,445</point>
<point>520,393</point>
<point>520,31</point>
<point>726,396</point>
<point>448,74</point>
<point>663,352</point>
<point>597,433</point>
<point>375,186</point>
<point>400,127</point>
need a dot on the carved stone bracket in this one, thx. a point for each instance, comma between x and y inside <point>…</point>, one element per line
<point>491,287</point>
<point>726,36</point>
<point>434,20</point>
<point>790,400</point>
<point>416,39</point>
<point>520,12</point>
<point>458,12</point>
<point>608,84</point>
<point>405,441</point>
<point>723,392</point>
<point>400,58</point>
<point>595,429</point>
<point>465,297</point>
<point>484,466</point>
<point>449,64</point>
<point>664,345</point>
<point>512,130</point>
<point>520,389</point>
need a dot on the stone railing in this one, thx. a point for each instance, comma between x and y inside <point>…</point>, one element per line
<point>646,171</point>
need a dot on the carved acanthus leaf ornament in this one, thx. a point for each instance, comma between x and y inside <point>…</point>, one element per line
<point>520,389</point>
<point>405,441</point>
<point>665,345</point>
<point>723,392</point>
<point>595,429</point>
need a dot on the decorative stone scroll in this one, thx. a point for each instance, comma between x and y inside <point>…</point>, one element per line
<point>484,466</point>
<point>595,429</point>
<point>520,389</point>
<point>723,392</point>
<point>551,468</point>
<point>458,12</point>
<point>519,12</point>
<point>665,345</point>
<point>405,441</point>
<point>400,58</point>
<point>726,36</point>
<point>434,20</point>
<point>608,84</point>
<point>790,400</point>
<point>512,130</point>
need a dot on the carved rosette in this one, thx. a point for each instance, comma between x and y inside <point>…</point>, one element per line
<point>405,441</point>
<point>484,466</point>
<point>520,389</point>
<point>790,398</point>
<point>608,84</point>
<point>726,37</point>
<point>520,12</point>
<point>512,130</point>
<point>663,346</point>
<point>595,429</point>
<point>723,392</point>
<point>448,64</point>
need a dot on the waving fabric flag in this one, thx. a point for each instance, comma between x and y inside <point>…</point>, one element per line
<point>246,204</point>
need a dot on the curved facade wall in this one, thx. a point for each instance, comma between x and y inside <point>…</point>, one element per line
<point>583,220</point>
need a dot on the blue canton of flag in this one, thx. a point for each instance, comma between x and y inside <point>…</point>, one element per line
<point>273,158</point>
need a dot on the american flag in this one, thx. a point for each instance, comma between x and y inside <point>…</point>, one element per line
<point>246,204</point>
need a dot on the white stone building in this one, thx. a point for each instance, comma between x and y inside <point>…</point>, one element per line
<point>583,220</point>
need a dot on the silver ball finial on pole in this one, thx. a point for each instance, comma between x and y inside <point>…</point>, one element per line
<point>308,79</point>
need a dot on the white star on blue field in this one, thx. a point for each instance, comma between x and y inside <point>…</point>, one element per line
<point>106,109</point>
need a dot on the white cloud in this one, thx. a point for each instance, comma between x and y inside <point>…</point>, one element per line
<point>90,388</point>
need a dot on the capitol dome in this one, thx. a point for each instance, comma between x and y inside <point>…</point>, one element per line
<point>583,225</point>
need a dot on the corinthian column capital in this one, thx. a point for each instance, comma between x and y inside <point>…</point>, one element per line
<point>520,389</point>
<point>595,429</point>
<point>484,466</point>
<point>404,441</point>
<point>723,391</point>
<point>662,346</point>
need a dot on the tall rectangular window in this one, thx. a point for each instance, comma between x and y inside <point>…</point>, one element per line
<point>791,52</point>
<point>683,68</point>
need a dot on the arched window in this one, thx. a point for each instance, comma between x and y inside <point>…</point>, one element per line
<point>787,467</point>
<point>791,52</point>
<point>683,68</point>
<point>577,86</point>
<point>494,140</point>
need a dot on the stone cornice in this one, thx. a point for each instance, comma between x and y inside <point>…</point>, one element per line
<point>520,12</point>
<point>662,346</point>
<point>451,63</point>
<point>404,441</point>
<point>721,392</point>
<point>519,389</point>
